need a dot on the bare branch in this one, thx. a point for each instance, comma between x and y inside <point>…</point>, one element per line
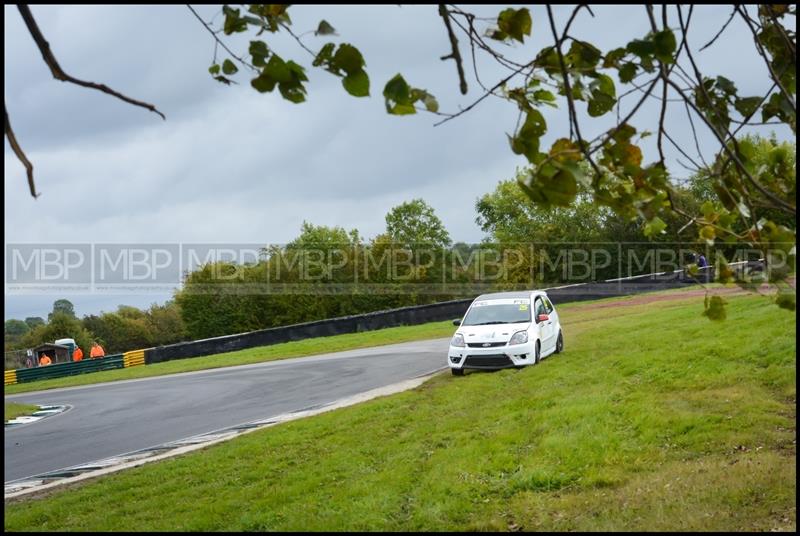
<point>297,38</point>
<point>12,139</point>
<point>733,14</point>
<point>490,92</point>
<point>455,54</point>
<point>220,43</point>
<point>663,71</point>
<point>59,74</point>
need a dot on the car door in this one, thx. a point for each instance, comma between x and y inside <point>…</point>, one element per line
<point>545,327</point>
<point>555,322</point>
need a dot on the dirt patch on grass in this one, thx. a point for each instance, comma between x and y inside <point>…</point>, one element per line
<point>644,299</point>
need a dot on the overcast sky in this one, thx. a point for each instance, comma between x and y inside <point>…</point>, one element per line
<point>230,165</point>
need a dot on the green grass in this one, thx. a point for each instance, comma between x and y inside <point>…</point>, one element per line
<point>14,410</point>
<point>261,354</point>
<point>654,418</point>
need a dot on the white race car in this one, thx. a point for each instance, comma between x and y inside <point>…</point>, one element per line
<point>505,329</point>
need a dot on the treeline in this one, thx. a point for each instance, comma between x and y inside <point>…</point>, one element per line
<point>128,328</point>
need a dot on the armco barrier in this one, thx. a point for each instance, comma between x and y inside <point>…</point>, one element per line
<point>10,377</point>
<point>418,314</point>
<point>133,359</point>
<point>59,370</point>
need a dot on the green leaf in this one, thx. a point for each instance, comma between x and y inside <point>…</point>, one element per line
<point>431,104</point>
<point>526,142</point>
<point>715,308</point>
<point>603,96</point>
<point>263,83</point>
<point>654,227</point>
<point>641,48</point>
<point>228,67</point>
<point>348,59</point>
<point>515,22</point>
<point>627,72</point>
<point>277,69</point>
<point>224,80</point>
<point>325,55</point>
<point>397,90</point>
<point>747,106</point>
<point>214,69</point>
<point>325,29</point>
<point>259,51</point>
<point>612,58</point>
<point>233,22</point>
<point>398,97</point>
<point>664,45</point>
<point>708,234</point>
<point>709,211</point>
<point>357,84</point>
<point>582,55</point>
<point>727,87</point>
<point>544,96</point>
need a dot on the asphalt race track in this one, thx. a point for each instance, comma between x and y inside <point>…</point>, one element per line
<point>120,417</point>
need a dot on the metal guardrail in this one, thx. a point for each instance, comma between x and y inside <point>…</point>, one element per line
<point>59,370</point>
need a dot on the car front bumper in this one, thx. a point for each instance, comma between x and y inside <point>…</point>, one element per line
<point>499,357</point>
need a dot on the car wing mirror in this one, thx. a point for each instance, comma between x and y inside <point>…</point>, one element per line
<point>457,322</point>
<point>542,318</point>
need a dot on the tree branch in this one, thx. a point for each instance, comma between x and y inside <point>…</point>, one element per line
<point>219,42</point>
<point>12,139</point>
<point>455,54</point>
<point>58,72</point>
<point>763,54</point>
<point>568,91</point>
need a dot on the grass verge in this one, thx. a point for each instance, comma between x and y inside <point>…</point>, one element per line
<point>14,410</point>
<point>653,419</point>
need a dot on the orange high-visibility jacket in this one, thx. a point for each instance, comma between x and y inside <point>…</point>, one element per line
<point>45,360</point>
<point>77,355</point>
<point>97,351</point>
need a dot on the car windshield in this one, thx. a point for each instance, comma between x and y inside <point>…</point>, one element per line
<point>498,312</point>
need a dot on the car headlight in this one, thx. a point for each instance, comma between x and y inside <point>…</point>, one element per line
<point>520,337</point>
<point>458,340</point>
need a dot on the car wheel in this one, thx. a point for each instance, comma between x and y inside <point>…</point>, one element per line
<point>457,371</point>
<point>536,355</point>
<point>560,343</point>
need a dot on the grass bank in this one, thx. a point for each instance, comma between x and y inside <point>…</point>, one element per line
<point>14,410</point>
<point>654,418</point>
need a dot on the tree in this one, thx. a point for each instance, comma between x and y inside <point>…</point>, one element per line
<point>16,328</point>
<point>60,325</point>
<point>660,66</point>
<point>34,321</point>
<point>415,223</point>
<point>62,306</point>
<point>14,331</point>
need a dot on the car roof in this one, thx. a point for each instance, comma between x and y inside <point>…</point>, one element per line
<point>510,295</point>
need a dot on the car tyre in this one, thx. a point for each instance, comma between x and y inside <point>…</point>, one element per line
<point>536,358</point>
<point>457,371</point>
<point>560,343</point>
